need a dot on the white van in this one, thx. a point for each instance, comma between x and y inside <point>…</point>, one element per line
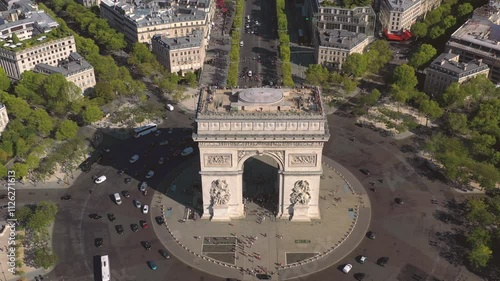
<point>118,200</point>
<point>241,43</point>
<point>170,107</point>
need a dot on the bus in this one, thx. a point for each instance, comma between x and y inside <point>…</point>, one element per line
<point>144,130</point>
<point>106,276</point>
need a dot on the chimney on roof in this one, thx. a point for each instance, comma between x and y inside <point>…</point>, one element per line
<point>465,66</point>
<point>442,62</point>
<point>480,62</point>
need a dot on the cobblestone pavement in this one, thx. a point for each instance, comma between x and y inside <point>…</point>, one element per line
<point>263,243</point>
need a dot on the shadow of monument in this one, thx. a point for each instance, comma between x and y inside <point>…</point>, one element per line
<point>261,182</point>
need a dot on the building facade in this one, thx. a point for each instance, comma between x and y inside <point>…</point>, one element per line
<point>357,20</point>
<point>76,69</point>
<point>399,15</point>
<point>447,69</point>
<point>89,3</point>
<point>180,54</point>
<point>140,22</point>
<point>16,61</point>
<point>479,38</point>
<point>4,118</point>
<point>335,45</point>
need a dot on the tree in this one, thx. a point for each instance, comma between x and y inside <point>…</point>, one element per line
<point>41,120</point>
<point>480,255</point>
<point>355,64</point>
<point>4,80</point>
<point>316,74</point>
<point>371,99</point>
<point>20,169</point>
<point>191,79</point>
<point>17,107</point>
<point>44,258</point>
<point>457,123</point>
<point>92,113</point>
<point>419,29</point>
<point>435,32</point>
<point>378,55</point>
<point>453,96</point>
<point>478,212</point>
<point>485,174</point>
<point>433,17</point>
<point>431,110</point>
<point>398,94</point>
<point>404,77</point>
<point>464,9</point>
<point>67,130</point>
<point>479,236</point>
<point>349,85</point>
<point>449,21</point>
<point>423,55</point>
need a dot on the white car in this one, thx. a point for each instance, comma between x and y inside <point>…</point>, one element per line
<point>362,259</point>
<point>137,204</point>
<point>106,149</point>
<point>145,209</point>
<point>143,187</point>
<point>170,107</point>
<point>187,151</point>
<point>241,43</point>
<point>100,179</point>
<point>160,161</point>
<point>150,174</point>
<point>347,268</point>
<point>157,133</point>
<point>249,73</point>
<point>134,158</point>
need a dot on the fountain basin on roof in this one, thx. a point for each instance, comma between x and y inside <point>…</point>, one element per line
<point>260,95</point>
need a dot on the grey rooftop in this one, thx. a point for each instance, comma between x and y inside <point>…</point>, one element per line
<point>449,63</point>
<point>191,41</point>
<point>402,5</point>
<point>341,39</point>
<point>74,64</point>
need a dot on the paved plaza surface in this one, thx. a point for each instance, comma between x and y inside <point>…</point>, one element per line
<point>261,243</point>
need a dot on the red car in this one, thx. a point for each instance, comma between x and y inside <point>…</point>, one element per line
<point>144,224</point>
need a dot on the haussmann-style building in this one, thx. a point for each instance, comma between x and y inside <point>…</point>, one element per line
<point>335,45</point>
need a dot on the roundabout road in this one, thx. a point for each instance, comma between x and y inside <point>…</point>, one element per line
<point>404,233</point>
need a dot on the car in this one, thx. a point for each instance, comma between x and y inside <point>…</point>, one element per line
<point>65,197</point>
<point>134,227</point>
<point>137,204</point>
<point>143,223</point>
<point>157,133</point>
<point>263,276</point>
<point>165,142</point>
<point>145,209</point>
<point>134,158</point>
<point>160,220</point>
<point>121,172</point>
<point>372,235</point>
<point>362,259</point>
<point>164,254</point>
<point>95,216</point>
<point>257,23</point>
<point>127,180</point>
<point>247,26</point>
<point>241,43</point>
<point>187,151</point>
<point>383,261</point>
<point>119,229</point>
<point>160,161</point>
<point>150,174</point>
<point>152,265</point>
<point>106,149</point>
<point>98,242</point>
<point>100,179</point>
<point>365,171</point>
<point>170,130</point>
<point>143,186</point>
<point>399,201</point>
<point>111,217</point>
<point>249,73</point>
<point>126,194</point>
<point>347,268</point>
<point>170,107</point>
<point>146,245</point>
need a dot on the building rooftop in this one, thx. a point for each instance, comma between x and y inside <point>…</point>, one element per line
<point>449,63</point>
<point>482,34</point>
<point>401,5</point>
<point>272,102</point>
<point>340,39</point>
<point>73,65</point>
<point>184,42</point>
<point>42,20</point>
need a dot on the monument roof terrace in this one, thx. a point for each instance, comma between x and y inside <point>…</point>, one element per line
<point>285,103</point>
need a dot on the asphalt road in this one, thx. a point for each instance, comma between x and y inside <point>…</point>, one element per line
<point>408,234</point>
<point>259,52</point>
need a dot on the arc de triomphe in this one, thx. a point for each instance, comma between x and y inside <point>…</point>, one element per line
<point>288,125</point>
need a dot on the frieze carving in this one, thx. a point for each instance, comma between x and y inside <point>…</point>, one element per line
<point>303,160</point>
<point>279,154</point>
<point>218,160</point>
<point>300,193</point>
<point>260,144</point>
<point>219,192</point>
<point>243,153</point>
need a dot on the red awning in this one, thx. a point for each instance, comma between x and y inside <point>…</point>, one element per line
<point>403,36</point>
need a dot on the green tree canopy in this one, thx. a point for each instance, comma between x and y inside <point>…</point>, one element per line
<point>355,64</point>
<point>404,77</point>
<point>317,74</point>
<point>92,113</point>
<point>464,9</point>
<point>436,31</point>
<point>4,80</point>
<point>67,130</point>
<point>419,29</point>
<point>480,256</point>
<point>423,55</point>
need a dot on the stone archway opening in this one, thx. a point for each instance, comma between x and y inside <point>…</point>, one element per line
<point>261,182</point>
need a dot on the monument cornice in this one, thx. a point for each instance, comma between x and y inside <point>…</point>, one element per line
<point>258,116</point>
<point>259,143</point>
<point>264,138</point>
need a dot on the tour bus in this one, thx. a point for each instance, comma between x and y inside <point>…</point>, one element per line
<point>144,130</point>
<point>106,276</point>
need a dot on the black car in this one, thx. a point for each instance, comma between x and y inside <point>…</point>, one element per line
<point>160,220</point>
<point>134,227</point>
<point>119,229</point>
<point>121,172</point>
<point>146,245</point>
<point>98,242</point>
<point>399,201</point>
<point>383,261</point>
<point>95,216</point>
<point>66,197</point>
<point>365,171</point>
<point>128,180</point>
<point>263,276</point>
<point>126,194</point>
<point>111,217</point>
<point>372,235</point>
<point>164,254</point>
